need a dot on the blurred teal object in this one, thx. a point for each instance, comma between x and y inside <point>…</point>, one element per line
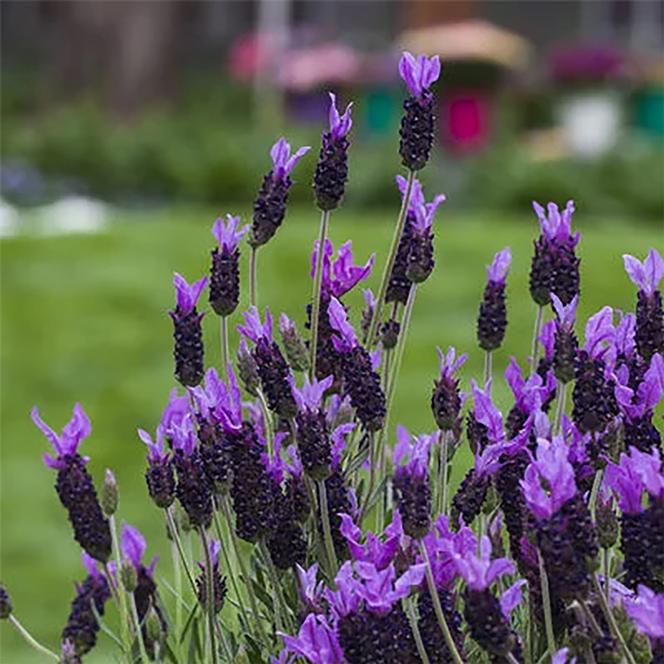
<point>382,109</point>
<point>649,111</point>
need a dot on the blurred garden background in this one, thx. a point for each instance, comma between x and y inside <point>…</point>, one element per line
<point>128,127</point>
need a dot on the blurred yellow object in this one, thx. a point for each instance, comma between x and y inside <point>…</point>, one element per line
<point>469,40</point>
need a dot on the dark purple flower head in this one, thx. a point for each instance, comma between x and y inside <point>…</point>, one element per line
<point>549,480</point>
<point>66,444</point>
<point>341,274</point>
<point>253,329</point>
<point>344,340</point>
<point>600,333</point>
<point>565,313</point>
<point>635,474</point>
<point>647,612</point>
<point>133,548</point>
<point>377,551</point>
<point>648,393</point>
<point>423,213</point>
<point>282,160</point>
<point>645,275</point>
<point>227,233</point>
<point>186,295</point>
<point>486,412</point>
<point>500,266</point>
<point>556,226</point>
<point>339,124</point>
<point>316,642</point>
<point>419,73</point>
<point>310,395</point>
<point>414,450</point>
<point>480,571</point>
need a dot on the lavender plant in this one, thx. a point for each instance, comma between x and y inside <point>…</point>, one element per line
<point>304,528</point>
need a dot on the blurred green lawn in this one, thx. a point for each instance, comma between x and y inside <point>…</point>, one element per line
<point>84,318</point>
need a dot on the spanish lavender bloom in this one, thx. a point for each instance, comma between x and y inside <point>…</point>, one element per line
<point>159,476</point>
<point>340,274</point>
<point>642,529</point>
<point>566,344</point>
<point>194,488</point>
<point>561,657</point>
<point>566,535</point>
<point>555,267</point>
<point>492,318</point>
<point>374,550</point>
<point>360,381</point>
<point>332,168</point>
<point>187,333</point>
<point>270,363</point>
<point>446,398</point>
<point>218,582</point>
<point>224,271</point>
<point>316,642</point>
<point>270,203</point>
<point>133,548</point>
<point>313,436</point>
<point>486,615</point>
<point>593,396</point>
<point>82,626</point>
<point>367,312</point>
<point>647,612</point>
<point>246,366</point>
<point>296,349</point>
<point>411,482</point>
<point>417,123</point>
<point>295,489</point>
<point>649,313</point>
<point>74,485</point>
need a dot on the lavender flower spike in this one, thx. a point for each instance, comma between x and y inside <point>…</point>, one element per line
<point>565,343</point>
<point>224,270</point>
<point>270,203</point>
<point>159,475</point>
<point>74,485</point>
<point>446,399</point>
<point>417,122</point>
<point>649,311</point>
<point>492,318</point>
<point>332,168</point>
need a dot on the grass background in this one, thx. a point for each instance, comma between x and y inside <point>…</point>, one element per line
<point>84,318</point>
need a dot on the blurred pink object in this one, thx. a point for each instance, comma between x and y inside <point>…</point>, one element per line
<point>466,119</point>
<point>250,55</point>
<point>325,64</point>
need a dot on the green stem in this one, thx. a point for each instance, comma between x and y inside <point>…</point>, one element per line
<point>178,542</point>
<point>139,632</point>
<point>387,270</point>
<point>30,640</point>
<point>610,619</point>
<point>120,596</point>
<point>440,616</point>
<point>441,496</point>
<point>546,607</point>
<point>382,443</point>
<point>209,596</point>
<point>327,532</point>
<point>267,420</point>
<point>177,578</point>
<point>594,491</point>
<point>253,286</point>
<point>318,280</point>
<point>536,332</point>
<point>607,572</point>
<point>280,609</point>
<point>560,406</point>
<point>243,569</point>
<point>372,476</point>
<point>488,357</point>
<point>412,619</point>
<point>223,340</point>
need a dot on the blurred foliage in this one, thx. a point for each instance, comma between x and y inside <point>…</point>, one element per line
<point>206,147</point>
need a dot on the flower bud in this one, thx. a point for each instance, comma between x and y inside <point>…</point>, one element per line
<point>109,494</point>
<point>5,603</point>
<point>153,630</point>
<point>389,333</point>
<point>296,350</point>
<point>246,366</point>
<point>128,577</point>
<point>607,525</point>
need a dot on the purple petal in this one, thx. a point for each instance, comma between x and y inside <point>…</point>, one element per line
<point>339,322</point>
<point>599,332</point>
<point>133,544</point>
<point>497,271</point>
<point>339,125</point>
<point>227,234</point>
<point>51,436</point>
<point>653,268</point>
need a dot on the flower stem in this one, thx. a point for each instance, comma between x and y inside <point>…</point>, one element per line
<point>488,357</point>
<point>327,532</point>
<point>412,619</point>
<point>442,623</point>
<point>120,597</point>
<point>280,608</point>
<point>318,281</point>
<point>594,491</point>
<point>139,632</point>
<point>253,285</point>
<point>177,578</point>
<point>606,553</point>
<point>178,542</point>
<point>223,341</point>
<point>30,640</point>
<point>546,607</point>
<point>387,270</point>
<point>560,405</point>
<point>536,332</point>
<point>209,596</point>
<point>243,569</point>
<point>610,619</point>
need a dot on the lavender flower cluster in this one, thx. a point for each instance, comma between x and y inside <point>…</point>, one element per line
<point>320,538</point>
